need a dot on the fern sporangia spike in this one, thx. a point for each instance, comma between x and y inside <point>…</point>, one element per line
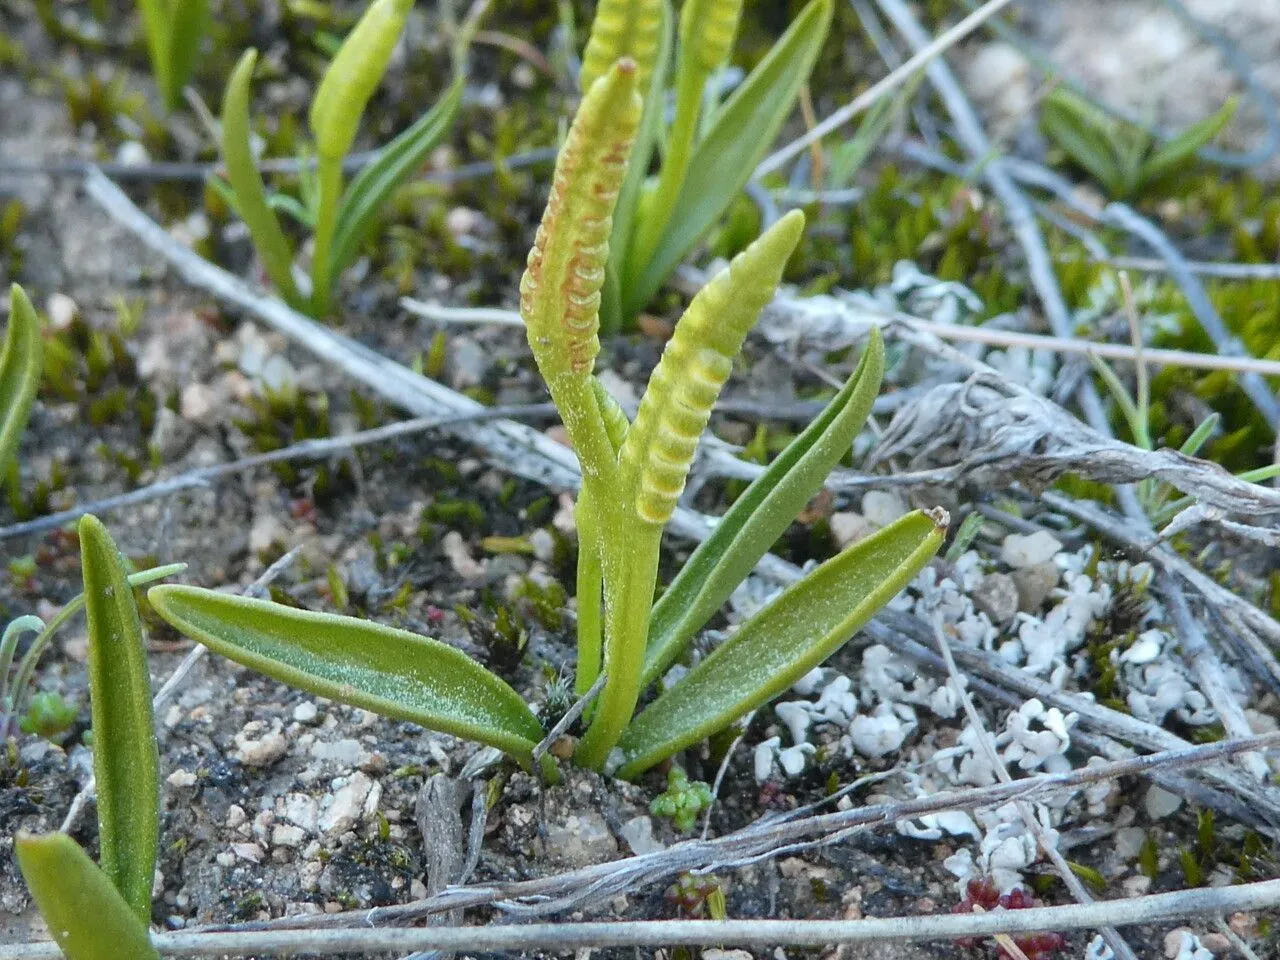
<point>707,29</point>
<point>694,366</point>
<point>354,74</point>
<point>560,289</point>
<point>622,28</point>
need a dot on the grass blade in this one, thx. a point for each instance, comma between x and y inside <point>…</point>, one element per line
<point>784,641</point>
<point>20,366</point>
<point>126,762</point>
<point>394,164</point>
<point>246,182</point>
<point>723,161</point>
<point>760,515</point>
<point>86,915</point>
<point>359,662</point>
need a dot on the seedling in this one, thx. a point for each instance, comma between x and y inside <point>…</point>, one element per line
<point>101,912</point>
<point>20,367</point>
<point>1124,158</point>
<point>632,477</point>
<point>174,30</point>
<point>710,150</point>
<point>341,215</point>
<point>682,801</point>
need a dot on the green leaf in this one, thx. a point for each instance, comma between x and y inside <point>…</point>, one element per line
<point>246,182</point>
<point>723,162</point>
<point>188,21</point>
<point>86,915</point>
<point>849,157</point>
<point>1087,135</point>
<point>354,73</point>
<point>389,671</point>
<point>1179,149</point>
<point>783,642</point>
<point>624,213</point>
<point>395,163</point>
<point>155,26</point>
<point>126,762</point>
<point>760,515</point>
<point>20,366</point>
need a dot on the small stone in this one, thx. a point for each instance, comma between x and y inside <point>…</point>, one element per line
<point>198,402</point>
<point>882,507</point>
<point>236,816</point>
<point>638,832</point>
<point>1034,585</point>
<point>248,851</point>
<point>1026,550</point>
<point>266,531</point>
<point>848,528</point>
<point>345,804</point>
<point>256,746</point>
<point>455,550</point>
<point>284,835</point>
<point>62,311</point>
<point>581,840</point>
<point>467,363</point>
<point>132,154</point>
<point>997,597</point>
<point>181,778</point>
<point>346,752</point>
<point>1160,803</point>
<point>302,810</point>
<point>1136,886</point>
<point>306,712</point>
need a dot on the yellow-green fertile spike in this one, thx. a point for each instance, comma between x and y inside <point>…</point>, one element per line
<point>560,289</point>
<point>694,366</point>
<point>354,74</point>
<point>707,29</point>
<point>622,28</point>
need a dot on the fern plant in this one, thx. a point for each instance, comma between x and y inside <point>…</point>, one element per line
<point>632,477</point>
<point>709,151</point>
<point>341,215</point>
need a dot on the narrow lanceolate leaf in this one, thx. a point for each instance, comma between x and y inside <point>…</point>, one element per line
<point>354,74</point>
<point>389,671</point>
<point>125,760</point>
<point>784,641</point>
<point>622,28</point>
<point>86,915</point>
<point>694,366</point>
<point>188,21</point>
<point>246,183</point>
<point>560,289</point>
<point>1087,135</point>
<point>395,163</point>
<point>1180,148</point>
<point>760,515</point>
<point>20,366</point>
<point>723,160</point>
